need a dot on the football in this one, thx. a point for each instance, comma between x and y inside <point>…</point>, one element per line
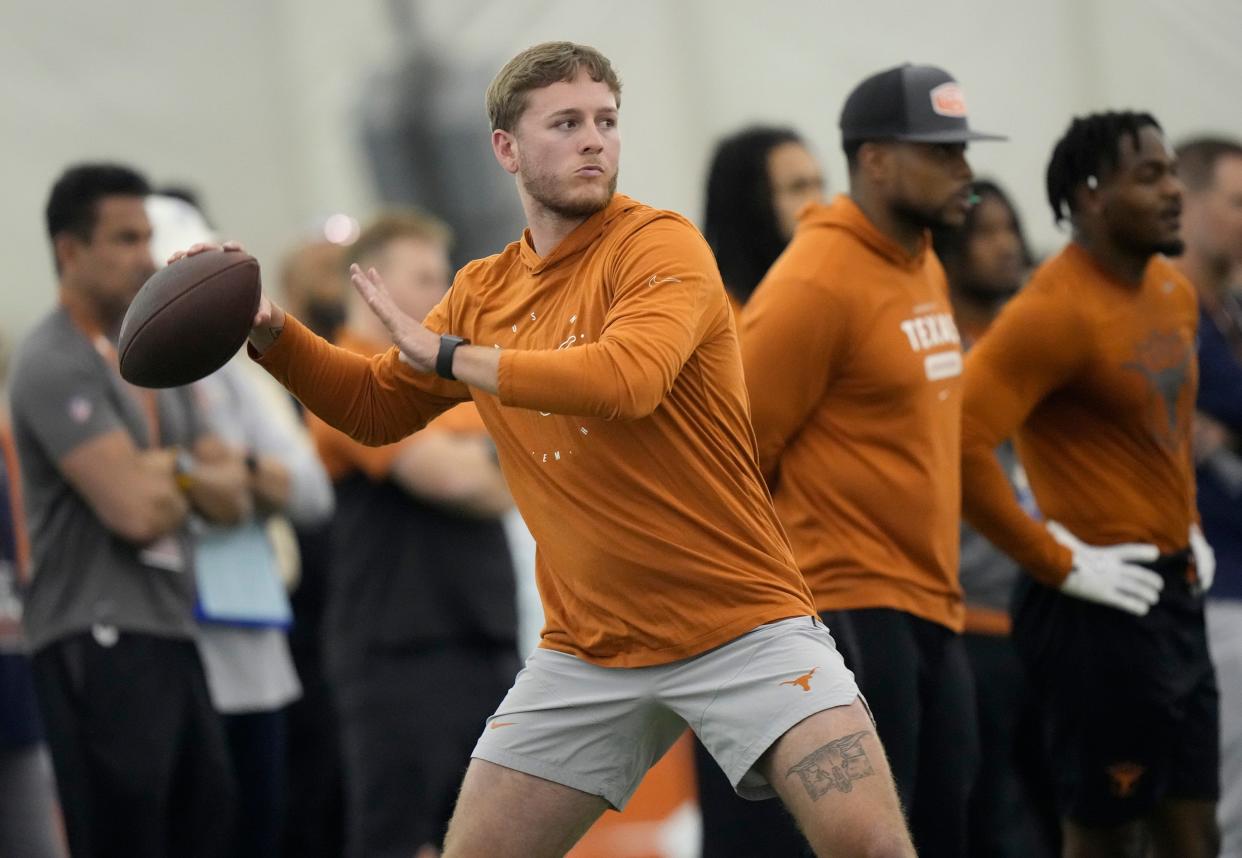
<point>189,319</point>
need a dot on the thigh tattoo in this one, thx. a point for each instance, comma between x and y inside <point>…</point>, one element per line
<point>834,766</point>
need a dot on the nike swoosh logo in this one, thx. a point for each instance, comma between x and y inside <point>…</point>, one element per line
<point>495,724</point>
<point>654,280</point>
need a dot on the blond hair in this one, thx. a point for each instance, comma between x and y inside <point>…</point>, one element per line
<point>394,225</point>
<point>540,66</point>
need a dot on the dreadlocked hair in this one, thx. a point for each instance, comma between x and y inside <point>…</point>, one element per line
<point>739,220</point>
<point>1090,146</point>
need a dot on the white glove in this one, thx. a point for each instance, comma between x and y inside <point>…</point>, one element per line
<point>1109,574</point>
<point>1205,558</point>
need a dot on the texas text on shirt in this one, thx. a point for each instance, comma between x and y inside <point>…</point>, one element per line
<point>1096,382</point>
<point>865,434</point>
<point>635,473</point>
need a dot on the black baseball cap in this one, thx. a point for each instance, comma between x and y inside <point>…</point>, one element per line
<point>920,104</point>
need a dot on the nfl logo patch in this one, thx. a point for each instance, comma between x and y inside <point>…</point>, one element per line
<point>80,409</point>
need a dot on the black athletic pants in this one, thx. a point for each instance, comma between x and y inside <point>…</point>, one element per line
<point>139,752</point>
<point>257,743</point>
<point>314,825</point>
<point>1012,814</point>
<point>918,684</point>
<point>409,721</point>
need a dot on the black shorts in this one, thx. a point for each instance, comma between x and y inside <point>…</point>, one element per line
<point>1128,705</point>
<point>142,769</point>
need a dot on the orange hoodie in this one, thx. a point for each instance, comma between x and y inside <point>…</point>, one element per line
<point>853,364</point>
<point>621,426</point>
<point>1095,379</point>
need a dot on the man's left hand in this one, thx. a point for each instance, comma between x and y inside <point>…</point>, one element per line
<point>418,345</point>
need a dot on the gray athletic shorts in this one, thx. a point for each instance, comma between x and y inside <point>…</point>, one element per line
<point>598,729</point>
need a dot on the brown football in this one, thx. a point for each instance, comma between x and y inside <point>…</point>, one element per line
<point>189,319</point>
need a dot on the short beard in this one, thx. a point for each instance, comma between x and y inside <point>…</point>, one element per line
<point>1171,247</point>
<point>1124,230</point>
<point>922,218</point>
<point>542,191</point>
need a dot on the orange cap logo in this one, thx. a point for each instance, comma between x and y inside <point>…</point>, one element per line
<point>803,681</point>
<point>948,100</point>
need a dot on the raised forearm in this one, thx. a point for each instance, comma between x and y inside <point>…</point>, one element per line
<point>625,373</point>
<point>373,400</point>
<point>588,380</point>
<point>478,366</point>
<point>612,380</point>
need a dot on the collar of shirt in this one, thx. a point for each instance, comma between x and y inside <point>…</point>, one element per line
<point>583,236</point>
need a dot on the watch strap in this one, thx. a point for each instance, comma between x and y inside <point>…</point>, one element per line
<point>444,358</point>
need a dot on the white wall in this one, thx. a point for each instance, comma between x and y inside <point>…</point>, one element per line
<point>253,102</point>
<point>247,101</point>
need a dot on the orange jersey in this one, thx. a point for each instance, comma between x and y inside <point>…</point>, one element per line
<point>622,429</point>
<point>342,455</point>
<point>1095,380</point>
<point>854,363</point>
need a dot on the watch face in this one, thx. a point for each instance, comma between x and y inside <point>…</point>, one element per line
<point>444,358</point>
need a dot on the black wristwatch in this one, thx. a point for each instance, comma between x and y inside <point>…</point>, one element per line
<point>444,359</point>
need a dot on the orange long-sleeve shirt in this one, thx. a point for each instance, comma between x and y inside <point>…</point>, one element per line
<point>1095,379</point>
<point>622,428</point>
<point>854,363</point>
<point>342,455</point>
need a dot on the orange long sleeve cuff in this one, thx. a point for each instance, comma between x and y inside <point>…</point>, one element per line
<point>376,400</point>
<point>988,503</point>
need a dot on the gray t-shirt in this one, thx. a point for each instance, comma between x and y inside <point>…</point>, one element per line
<point>64,393</point>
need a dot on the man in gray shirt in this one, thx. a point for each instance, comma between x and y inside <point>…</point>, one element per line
<point>111,473</point>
